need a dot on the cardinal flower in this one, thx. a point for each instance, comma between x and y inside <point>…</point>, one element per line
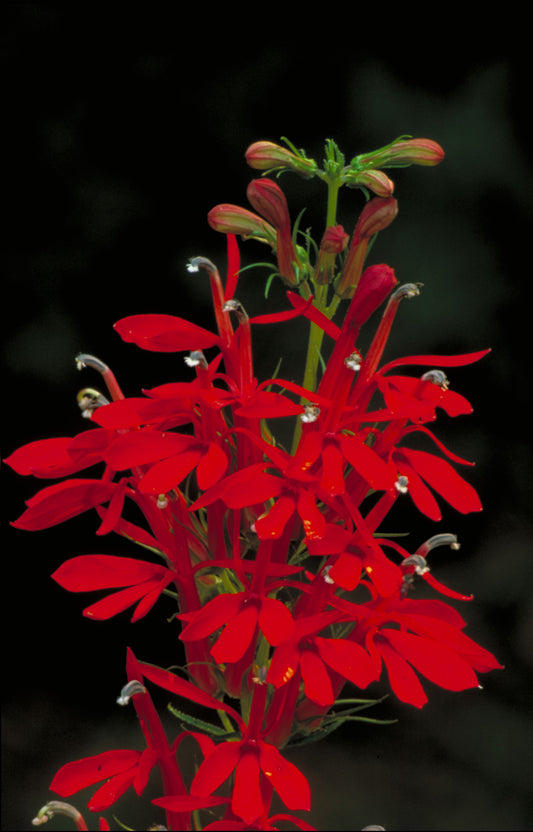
<point>429,641</point>
<point>240,614</point>
<point>312,655</point>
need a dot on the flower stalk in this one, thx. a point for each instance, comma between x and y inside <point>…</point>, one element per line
<point>288,581</point>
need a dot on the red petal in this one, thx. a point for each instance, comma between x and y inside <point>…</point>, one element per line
<point>180,687</point>
<point>89,572</point>
<point>247,802</point>
<point>143,447</point>
<point>275,621</point>
<point>109,793</point>
<point>333,470</point>
<point>236,636</point>
<point>271,525</point>
<point>165,475</point>
<point>216,768</point>
<point>349,659</point>
<point>437,360</point>
<point>313,520</point>
<point>82,773</point>
<point>288,781</point>
<point>445,480</point>
<point>403,680</point>
<point>234,264</point>
<point>267,405</point>
<point>366,462</point>
<point>119,601</point>
<point>211,467</point>
<point>44,458</point>
<point>316,679</point>
<point>284,664</point>
<point>60,502</point>
<point>213,615</point>
<point>418,491</point>
<point>436,662</point>
<point>164,333</point>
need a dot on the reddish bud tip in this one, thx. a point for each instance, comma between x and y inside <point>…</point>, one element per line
<point>269,200</point>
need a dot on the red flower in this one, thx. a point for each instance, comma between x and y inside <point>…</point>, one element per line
<point>175,455</point>
<point>241,613</point>
<point>248,759</point>
<point>312,655</point>
<point>420,468</point>
<point>121,769</point>
<point>430,641</point>
<point>145,582</point>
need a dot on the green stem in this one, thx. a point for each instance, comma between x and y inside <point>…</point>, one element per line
<point>316,335</point>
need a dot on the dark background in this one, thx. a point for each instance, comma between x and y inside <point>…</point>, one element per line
<point>123,129</point>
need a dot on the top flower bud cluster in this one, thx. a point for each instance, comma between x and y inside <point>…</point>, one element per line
<point>270,221</point>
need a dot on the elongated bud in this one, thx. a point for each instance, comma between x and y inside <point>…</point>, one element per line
<point>402,152</point>
<point>269,200</point>
<point>376,284</point>
<point>377,214</point>
<point>269,156</point>
<point>232,219</point>
<point>375,180</point>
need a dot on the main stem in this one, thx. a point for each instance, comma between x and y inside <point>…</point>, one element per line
<point>316,334</point>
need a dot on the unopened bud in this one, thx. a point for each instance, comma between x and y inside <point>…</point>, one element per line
<point>400,153</point>
<point>334,242</point>
<point>375,180</point>
<point>377,214</point>
<point>232,219</point>
<point>269,156</point>
<point>269,200</point>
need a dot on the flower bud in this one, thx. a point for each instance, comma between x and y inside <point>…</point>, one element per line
<point>269,200</point>
<point>375,180</point>
<point>232,219</point>
<point>377,214</point>
<point>376,284</point>
<point>268,156</point>
<point>403,151</point>
<point>333,242</point>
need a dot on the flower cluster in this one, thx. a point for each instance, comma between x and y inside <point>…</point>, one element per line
<point>287,587</point>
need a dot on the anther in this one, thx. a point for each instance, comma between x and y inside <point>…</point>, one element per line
<point>196,358</point>
<point>88,400</point>
<point>402,484</point>
<point>437,377</point>
<point>438,540</point>
<point>130,690</point>
<point>353,361</point>
<point>197,263</point>
<point>86,360</point>
<point>236,306</point>
<point>310,414</point>
<point>406,290</point>
<point>162,501</point>
<point>57,807</point>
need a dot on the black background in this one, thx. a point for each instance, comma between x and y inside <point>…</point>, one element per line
<point>123,129</point>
